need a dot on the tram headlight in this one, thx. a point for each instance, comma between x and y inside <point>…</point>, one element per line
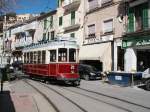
<point>72,69</point>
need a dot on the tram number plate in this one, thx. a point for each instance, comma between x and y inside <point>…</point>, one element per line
<point>118,77</point>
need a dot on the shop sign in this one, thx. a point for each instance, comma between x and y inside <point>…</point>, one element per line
<point>143,42</point>
<point>135,42</point>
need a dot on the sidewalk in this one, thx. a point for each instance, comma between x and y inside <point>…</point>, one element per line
<point>16,102</point>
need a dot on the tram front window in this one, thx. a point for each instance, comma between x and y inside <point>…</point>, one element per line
<point>72,55</point>
<point>62,55</point>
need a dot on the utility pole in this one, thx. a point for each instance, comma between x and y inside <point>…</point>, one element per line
<point>3,70</point>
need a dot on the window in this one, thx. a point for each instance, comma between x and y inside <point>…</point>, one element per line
<point>39,57</point>
<point>72,35</point>
<point>43,57</point>
<point>51,21</point>
<point>60,21</point>
<point>108,26</point>
<point>44,36</point>
<point>91,31</point>
<point>45,23</point>
<point>25,57</point>
<point>72,55</point>
<point>48,35</point>
<point>34,57</point>
<point>31,57</point>
<point>62,55</point>
<point>52,55</point>
<point>52,35</point>
<point>93,4</point>
<point>72,17</point>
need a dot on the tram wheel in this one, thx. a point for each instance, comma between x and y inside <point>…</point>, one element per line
<point>76,83</point>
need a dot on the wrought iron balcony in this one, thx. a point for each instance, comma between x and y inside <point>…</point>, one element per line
<point>72,4</point>
<point>137,28</point>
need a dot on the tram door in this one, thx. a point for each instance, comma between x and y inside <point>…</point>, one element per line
<point>53,65</point>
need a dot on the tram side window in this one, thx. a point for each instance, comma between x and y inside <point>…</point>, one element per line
<point>52,55</point>
<point>34,57</point>
<point>62,55</point>
<point>25,56</point>
<point>28,57</point>
<point>43,56</point>
<point>72,55</point>
<point>31,57</point>
<point>39,57</point>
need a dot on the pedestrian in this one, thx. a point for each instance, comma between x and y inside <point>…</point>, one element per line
<point>104,76</point>
<point>141,66</point>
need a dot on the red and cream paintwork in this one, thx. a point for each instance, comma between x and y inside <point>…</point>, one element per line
<point>65,70</point>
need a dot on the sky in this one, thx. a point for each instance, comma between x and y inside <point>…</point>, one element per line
<point>34,6</point>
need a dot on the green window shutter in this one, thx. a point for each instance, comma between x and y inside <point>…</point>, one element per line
<point>145,16</point>
<point>51,21</point>
<point>44,36</point>
<point>45,23</point>
<point>72,35</point>
<point>60,21</point>
<point>131,20</point>
<point>72,17</point>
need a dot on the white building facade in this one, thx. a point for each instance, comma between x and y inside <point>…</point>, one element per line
<point>32,31</point>
<point>70,18</point>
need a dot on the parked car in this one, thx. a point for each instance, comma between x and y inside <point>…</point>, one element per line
<point>89,72</point>
<point>9,68</point>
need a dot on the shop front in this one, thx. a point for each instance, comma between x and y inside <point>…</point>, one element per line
<point>98,55</point>
<point>137,53</point>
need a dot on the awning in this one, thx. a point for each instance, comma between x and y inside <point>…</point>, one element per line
<point>94,51</point>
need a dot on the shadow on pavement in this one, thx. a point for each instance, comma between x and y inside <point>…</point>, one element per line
<point>6,103</point>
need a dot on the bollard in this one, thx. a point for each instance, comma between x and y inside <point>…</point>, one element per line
<point>3,77</point>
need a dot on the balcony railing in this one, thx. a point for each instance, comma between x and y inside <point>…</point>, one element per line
<point>138,27</point>
<point>72,24</point>
<point>23,42</point>
<point>71,4</point>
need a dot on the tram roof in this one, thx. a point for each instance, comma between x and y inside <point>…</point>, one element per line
<point>59,42</point>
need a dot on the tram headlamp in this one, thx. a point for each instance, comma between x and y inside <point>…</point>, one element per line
<point>72,69</point>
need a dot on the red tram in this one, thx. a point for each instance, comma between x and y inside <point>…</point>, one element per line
<point>56,59</point>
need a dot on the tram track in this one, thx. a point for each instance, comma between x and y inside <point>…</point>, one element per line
<point>51,102</point>
<point>88,96</point>
<point>45,97</point>
<point>103,101</point>
<point>122,100</point>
